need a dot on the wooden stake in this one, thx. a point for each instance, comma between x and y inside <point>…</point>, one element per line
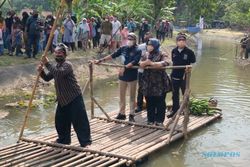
<point>136,67</point>
<point>85,86</point>
<point>183,105</point>
<point>101,108</point>
<point>60,10</point>
<point>186,109</point>
<point>91,89</point>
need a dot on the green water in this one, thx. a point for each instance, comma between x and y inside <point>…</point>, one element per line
<point>214,75</point>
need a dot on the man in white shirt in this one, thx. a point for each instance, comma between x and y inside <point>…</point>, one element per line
<point>116,33</point>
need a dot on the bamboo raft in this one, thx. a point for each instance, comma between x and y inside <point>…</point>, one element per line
<point>115,143</point>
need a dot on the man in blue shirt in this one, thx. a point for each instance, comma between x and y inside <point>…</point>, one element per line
<point>181,55</point>
<point>130,56</point>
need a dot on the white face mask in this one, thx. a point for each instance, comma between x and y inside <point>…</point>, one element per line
<point>130,43</point>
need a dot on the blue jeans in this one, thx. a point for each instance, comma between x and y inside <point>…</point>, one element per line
<point>33,43</point>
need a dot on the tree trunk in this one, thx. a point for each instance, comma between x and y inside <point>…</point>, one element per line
<point>2,3</point>
<point>69,4</point>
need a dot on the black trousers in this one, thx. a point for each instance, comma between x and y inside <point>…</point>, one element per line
<point>246,53</point>
<point>73,113</point>
<point>70,45</point>
<point>177,85</point>
<point>139,91</point>
<point>156,108</point>
<point>33,42</point>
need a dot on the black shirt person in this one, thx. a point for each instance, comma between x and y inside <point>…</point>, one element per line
<point>181,55</point>
<point>70,108</point>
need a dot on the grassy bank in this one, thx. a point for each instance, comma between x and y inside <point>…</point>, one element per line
<point>6,60</point>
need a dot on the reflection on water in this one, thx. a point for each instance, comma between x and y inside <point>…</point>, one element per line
<point>215,75</point>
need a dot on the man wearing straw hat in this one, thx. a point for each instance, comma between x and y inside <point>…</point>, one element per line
<point>70,108</point>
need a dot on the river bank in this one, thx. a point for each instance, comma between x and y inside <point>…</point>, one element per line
<point>223,33</point>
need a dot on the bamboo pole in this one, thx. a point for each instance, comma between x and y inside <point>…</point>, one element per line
<point>85,86</point>
<point>95,101</point>
<point>58,160</point>
<point>134,123</point>
<point>117,134</point>
<point>52,153</point>
<point>103,160</point>
<point>80,161</point>
<point>183,105</point>
<point>20,152</point>
<point>108,163</point>
<point>25,157</point>
<point>236,51</point>
<point>17,149</point>
<point>104,136</point>
<point>126,140</point>
<point>76,148</point>
<point>120,163</point>
<point>186,109</point>
<point>79,156</point>
<point>91,89</point>
<point>49,158</point>
<point>87,163</point>
<point>59,12</point>
<point>136,67</point>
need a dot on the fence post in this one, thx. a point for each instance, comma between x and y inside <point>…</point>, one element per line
<point>91,89</point>
<point>186,110</point>
<point>236,51</point>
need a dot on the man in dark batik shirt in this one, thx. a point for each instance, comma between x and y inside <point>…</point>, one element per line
<point>70,108</point>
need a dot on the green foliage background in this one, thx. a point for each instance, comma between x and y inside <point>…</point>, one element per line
<point>237,12</point>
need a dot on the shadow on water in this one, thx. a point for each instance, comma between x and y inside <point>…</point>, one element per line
<point>214,75</point>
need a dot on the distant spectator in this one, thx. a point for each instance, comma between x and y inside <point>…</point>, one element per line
<point>116,33</point>
<point>83,33</point>
<point>17,36</point>
<point>68,38</point>
<point>1,42</point>
<point>47,29</point>
<point>106,31</point>
<point>33,28</point>
<point>25,17</point>
<point>131,25</point>
<point>124,35</point>
<point>8,30</point>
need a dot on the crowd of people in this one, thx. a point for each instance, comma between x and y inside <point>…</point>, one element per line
<point>28,34</point>
<point>154,84</point>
